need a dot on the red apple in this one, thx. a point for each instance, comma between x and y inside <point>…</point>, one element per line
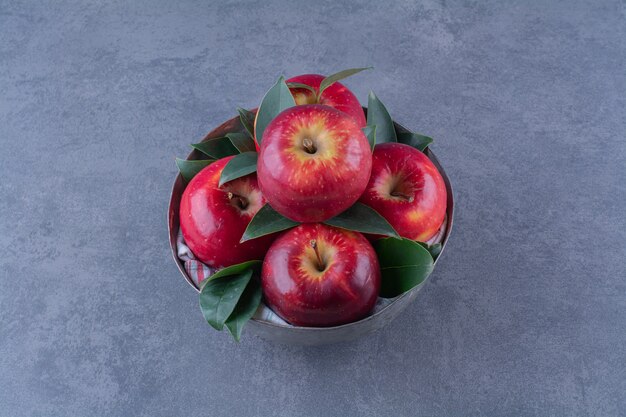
<point>407,190</point>
<point>213,218</point>
<point>317,275</point>
<point>336,95</point>
<point>314,163</point>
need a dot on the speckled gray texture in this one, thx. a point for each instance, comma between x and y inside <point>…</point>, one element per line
<point>526,312</point>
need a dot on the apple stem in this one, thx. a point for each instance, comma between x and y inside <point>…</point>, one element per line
<point>320,264</point>
<point>309,146</point>
<point>241,201</point>
<point>409,198</point>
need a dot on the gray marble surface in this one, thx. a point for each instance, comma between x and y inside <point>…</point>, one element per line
<point>526,312</point>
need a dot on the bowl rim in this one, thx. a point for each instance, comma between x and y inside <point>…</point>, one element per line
<point>231,125</point>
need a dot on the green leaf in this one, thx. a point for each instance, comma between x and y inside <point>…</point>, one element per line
<point>404,264</point>
<point>370,132</point>
<point>364,219</point>
<point>277,99</point>
<point>331,79</point>
<point>216,148</point>
<point>301,85</point>
<point>240,166</point>
<point>234,270</point>
<point>377,115</point>
<point>245,309</point>
<point>246,117</point>
<point>189,169</point>
<point>242,142</point>
<point>434,249</point>
<point>219,297</point>
<point>419,142</point>
<point>266,221</point>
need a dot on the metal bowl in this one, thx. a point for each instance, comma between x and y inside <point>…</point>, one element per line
<point>296,335</point>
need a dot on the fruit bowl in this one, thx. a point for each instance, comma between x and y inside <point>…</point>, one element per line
<point>297,335</point>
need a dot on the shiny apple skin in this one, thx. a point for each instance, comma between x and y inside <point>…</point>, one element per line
<point>337,96</point>
<point>212,224</point>
<point>313,187</point>
<point>400,167</point>
<point>344,292</point>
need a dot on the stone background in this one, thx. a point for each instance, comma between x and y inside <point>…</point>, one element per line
<point>526,312</point>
